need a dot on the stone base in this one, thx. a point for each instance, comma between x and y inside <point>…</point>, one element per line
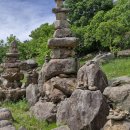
<point>56,67</point>
<point>12,94</point>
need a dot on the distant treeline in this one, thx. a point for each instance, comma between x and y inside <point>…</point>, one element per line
<point>100,25</point>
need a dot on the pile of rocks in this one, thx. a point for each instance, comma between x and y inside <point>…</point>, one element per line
<point>6,120</point>
<point>117,120</point>
<point>10,87</point>
<point>57,79</point>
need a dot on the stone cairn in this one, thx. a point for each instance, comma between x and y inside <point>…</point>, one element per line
<point>11,87</point>
<point>118,119</point>
<point>62,63</point>
<point>57,78</point>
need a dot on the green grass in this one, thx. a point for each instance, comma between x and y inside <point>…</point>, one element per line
<point>22,117</point>
<point>117,67</point>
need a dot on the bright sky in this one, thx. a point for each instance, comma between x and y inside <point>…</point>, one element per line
<point>20,17</point>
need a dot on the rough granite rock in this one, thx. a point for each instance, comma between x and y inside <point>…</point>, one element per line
<point>62,86</point>
<point>12,94</point>
<point>90,75</point>
<point>5,114</point>
<point>59,24</point>
<point>60,33</point>
<point>117,125</point>
<point>119,96</point>
<point>84,110</point>
<point>56,67</point>
<point>9,127</point>
<point>44,111</point>
<point>62,128</point>
<point>67,42</point>
<point>32,94</point>
<point>62,53</point>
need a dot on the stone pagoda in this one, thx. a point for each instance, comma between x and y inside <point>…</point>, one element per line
<point>12,68</point>
<point>62,45</point>
<point>12,76</point>
<point>61,68</point>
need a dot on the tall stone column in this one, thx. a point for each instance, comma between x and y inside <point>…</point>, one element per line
<point>62,44</point>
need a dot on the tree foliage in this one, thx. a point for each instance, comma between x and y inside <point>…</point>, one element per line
<point>82,11</point>
<point>111,29</point>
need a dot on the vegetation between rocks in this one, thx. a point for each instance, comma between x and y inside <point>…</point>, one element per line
<point>22,116</point>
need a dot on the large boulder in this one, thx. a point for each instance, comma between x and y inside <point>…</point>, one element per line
<point>56,67</point>
<point>84,110</point>
<point>32,94</point>
<point>118,94</point>
<point>90,76</point>
<point>117,125</point>
<point>57,88</point>
<point>44,111</point>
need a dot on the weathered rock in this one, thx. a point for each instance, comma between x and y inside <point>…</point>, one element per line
<point>5,114</point>
<point>90,76</point>
<point>104,57</point>
<point>44,111</point>
<point>65,85</point>
<point>32,94</point>
<point>56,67</point>
<point>62,128</point>
<point>68,42</point>
<point>60,33</point>
<point>13,94</point>
<point>5,123</point>
<point>62,53</point>
<point>119,81</point>
<point>84,110</point>
<point>117,125</point>
<point>124,53</point>
<point>9,127</point>
<point>119,96</point>
<point>59,24</point>
<point>28,64</point>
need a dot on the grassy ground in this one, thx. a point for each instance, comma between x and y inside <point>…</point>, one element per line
<point>116,68</point>
<point>22,117</point>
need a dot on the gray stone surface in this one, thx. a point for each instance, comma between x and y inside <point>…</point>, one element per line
<point>44,111</point>
<point>91,76</point>
<point>69,42</point>
<point>84,110</point>
<point>56,89</point>
<point>32,94</point>
<point>60,33</point>
<point>117,125</point>
<point>119,96</point>
<point>59,24</point>
<point>56,67</point>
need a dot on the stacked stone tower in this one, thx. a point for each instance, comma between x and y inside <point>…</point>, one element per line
<point>57,78</point>
<point>63,59</point>
<point>12,68</point>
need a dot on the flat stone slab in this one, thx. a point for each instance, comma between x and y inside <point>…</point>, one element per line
<point>68,42</point>
<point>56,67</point>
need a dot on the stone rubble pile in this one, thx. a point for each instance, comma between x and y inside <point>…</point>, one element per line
<point>6,120</point>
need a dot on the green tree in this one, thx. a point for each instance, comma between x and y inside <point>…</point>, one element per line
<point>110,29</point>
<point>82,11</point>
